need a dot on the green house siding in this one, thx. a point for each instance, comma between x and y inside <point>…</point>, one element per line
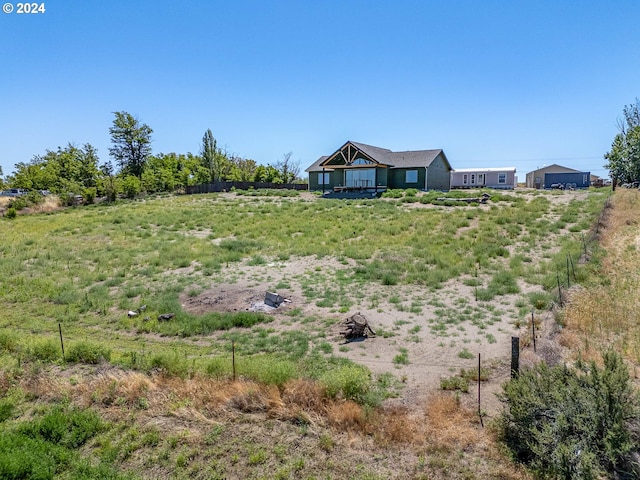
<point>439,176</point>
<point>314,177</point>
<point>398,178</point>
<point>382,177</point>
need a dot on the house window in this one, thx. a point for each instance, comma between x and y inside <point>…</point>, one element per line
<point>362,161</point>
<point>464,179</point>
<point>323,178</point>
<point>361,177</point>
<point>411,176</point>
<point>502,178</point>
<point>473,178</point>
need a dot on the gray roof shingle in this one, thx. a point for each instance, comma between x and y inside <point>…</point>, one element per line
<point>406,159</point>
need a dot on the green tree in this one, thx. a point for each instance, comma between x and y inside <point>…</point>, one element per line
<point>131,186</point>
<point>131,143</point>
<point>191,171</point>
<point>267,174</point>
<point>108,184</point>
<point>209,152</point>
<point>66,170</point>
<point>216,161</point>
<point>166,172</point>
<point>243,169</point>
<point>161,173</point>
<point>623,160</point>
<point>223,165</point>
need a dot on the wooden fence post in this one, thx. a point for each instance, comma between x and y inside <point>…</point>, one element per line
<point>233,358</point>
<point>61,342</point>
<point>533,326</point>
<point>479,378</point>
<point>515,356</point>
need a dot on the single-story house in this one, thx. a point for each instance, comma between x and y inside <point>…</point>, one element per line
<point>504,177</point>
<point>365,168</point>
<point>535,179</point>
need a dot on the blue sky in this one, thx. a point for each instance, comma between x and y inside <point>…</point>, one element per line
<point>493,83</point>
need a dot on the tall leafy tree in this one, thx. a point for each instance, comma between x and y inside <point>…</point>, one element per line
<point>209,152</point>
<point>623,160</point>
<point>131,143</point>
<point>215,160</point>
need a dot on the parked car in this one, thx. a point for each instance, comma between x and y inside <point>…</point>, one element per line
<point>557,186</point>
<point>14,192</point>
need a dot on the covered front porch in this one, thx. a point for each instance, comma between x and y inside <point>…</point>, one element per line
<point>357,178</point>
<point>356,183</point>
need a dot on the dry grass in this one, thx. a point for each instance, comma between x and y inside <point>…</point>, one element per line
<point>443,440</point>
<point>51,203</point>
<point>451,425</point>
<point>607,314</point>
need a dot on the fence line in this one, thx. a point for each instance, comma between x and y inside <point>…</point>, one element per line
<point>214,187</point>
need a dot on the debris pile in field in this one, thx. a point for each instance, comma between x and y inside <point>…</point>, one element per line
<point>357,326</point>
<point>271,301</point>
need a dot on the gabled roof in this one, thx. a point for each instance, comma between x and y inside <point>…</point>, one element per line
<point>383,157</point>
<point>315,166</point>
<point>555,166</point>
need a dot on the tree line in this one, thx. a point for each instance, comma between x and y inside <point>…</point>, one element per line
<point>77,170</point>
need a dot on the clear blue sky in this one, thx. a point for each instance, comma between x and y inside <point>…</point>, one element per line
<point>492,82</point>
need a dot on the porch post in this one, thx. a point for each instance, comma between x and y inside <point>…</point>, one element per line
<point>323,181</point>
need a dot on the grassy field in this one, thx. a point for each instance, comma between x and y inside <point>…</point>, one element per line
<point>155,399</point>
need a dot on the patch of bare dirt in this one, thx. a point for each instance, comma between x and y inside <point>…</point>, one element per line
<point>431,355</point>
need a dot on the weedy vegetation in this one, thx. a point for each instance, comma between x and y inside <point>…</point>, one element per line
<point>80,270</point>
